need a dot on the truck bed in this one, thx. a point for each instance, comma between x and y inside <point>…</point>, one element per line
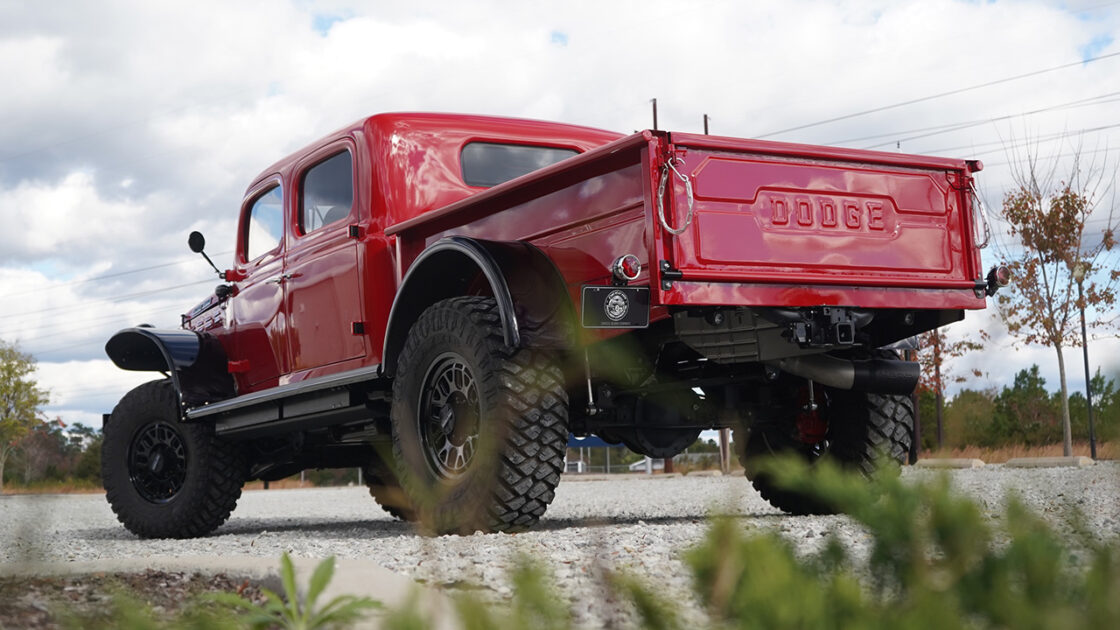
<point>773,224</point>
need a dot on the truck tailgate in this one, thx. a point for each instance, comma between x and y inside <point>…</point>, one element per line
<point>792,214</point>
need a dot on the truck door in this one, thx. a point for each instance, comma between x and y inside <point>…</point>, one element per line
<point>323,285</point>
<point>256,310</point>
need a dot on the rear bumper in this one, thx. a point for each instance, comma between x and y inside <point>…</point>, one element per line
<point>690,293</point>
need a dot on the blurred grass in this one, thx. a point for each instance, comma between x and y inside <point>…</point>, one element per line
<point>934,560</point>
<point>999,455</point>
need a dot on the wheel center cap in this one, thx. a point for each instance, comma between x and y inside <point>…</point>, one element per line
<point>447,419</point>
<point>156,465</point>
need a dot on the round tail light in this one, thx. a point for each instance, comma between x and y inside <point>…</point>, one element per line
<point>626,267</point>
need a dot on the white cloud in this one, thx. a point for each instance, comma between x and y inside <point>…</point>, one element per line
<point>80,391</point>
<point>45,220</point>
<point>32,70</point>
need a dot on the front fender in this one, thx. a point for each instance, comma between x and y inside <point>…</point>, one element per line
<point>195,362</point>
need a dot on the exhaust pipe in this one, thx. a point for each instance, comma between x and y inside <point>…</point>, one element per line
<point>879,376</point>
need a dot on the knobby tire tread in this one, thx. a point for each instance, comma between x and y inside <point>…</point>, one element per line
<point>529,388</point>
<point>208,496</point>
<point>386,490</point>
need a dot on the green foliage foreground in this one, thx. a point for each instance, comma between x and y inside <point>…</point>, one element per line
<point>934,561</point>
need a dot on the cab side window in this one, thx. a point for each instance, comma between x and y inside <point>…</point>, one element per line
<point>266,224</point>
<point>327,192</point>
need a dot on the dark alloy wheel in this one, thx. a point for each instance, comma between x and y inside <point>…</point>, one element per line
<point>157,462</point>
<point>449,417</point>
<point>479,429</point>
<point>165,478</point>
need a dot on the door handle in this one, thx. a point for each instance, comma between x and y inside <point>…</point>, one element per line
<point>281,278</point>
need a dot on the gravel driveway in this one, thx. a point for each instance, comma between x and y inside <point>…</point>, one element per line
<point>639,524</point>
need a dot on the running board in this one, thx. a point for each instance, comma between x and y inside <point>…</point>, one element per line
<point>310,404</point>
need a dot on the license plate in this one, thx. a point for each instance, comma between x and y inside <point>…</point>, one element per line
<point>615,307</point>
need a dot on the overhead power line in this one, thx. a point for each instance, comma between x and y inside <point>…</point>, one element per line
<point>108,276</point>
<point>1100,99</point>
<point>66,324</point>
<point>930,132</point>
<point>1000,144</point>
<point>1054,156</point>
<point>74,346</point>
<point>119,298</point>
<point>941,95</point>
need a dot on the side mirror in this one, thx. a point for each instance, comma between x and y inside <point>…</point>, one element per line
<point>197,242</point>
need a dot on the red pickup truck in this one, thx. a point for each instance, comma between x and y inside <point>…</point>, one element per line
<point>443,299</point>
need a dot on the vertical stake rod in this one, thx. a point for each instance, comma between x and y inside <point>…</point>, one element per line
<point>654,101</point>
<point>725,450</point>
<point>1088,379</point>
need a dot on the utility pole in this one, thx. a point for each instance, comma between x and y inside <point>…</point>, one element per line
<point>654,101</point>
<point>937,384</point>
<point>706,119</point>
<point>1079,276</point>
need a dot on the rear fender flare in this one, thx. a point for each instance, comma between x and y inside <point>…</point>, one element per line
<point>531,294</point>
<point>195,362</point>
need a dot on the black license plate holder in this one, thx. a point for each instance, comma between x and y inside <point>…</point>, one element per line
<point>615,307</point>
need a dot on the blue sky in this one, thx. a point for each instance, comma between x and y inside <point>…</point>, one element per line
<point>130,124</point>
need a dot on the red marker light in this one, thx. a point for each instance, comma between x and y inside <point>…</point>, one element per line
<point>626,267</point>
<point>1003,275</point>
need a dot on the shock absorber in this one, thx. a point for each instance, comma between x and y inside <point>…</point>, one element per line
<point>811,427</point>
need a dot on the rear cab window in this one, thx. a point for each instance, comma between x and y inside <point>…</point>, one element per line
<point>326,192</point>
<point>486,164</point>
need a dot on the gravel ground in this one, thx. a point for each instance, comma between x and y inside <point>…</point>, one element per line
<point>37,602</point>
<point>640,525</point>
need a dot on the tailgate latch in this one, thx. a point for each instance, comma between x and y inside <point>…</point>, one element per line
<point>668,275</point>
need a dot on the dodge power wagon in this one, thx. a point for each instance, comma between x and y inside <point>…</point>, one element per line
<point>442,300</point>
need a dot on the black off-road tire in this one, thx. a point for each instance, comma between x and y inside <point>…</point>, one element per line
<point>512,399</point>
<point>384,487</point>
<point>866,432</point>
<point>164,478</point>
<point>761,443</point>
<point>871,432</point>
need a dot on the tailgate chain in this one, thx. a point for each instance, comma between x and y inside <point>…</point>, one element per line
<point>669,166</point>
<point>981,213</point>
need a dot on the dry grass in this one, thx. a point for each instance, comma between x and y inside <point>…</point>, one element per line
<point>1106,450</point>
<point>283,484</point>
<point>54,487</point>
<point>80,487</point>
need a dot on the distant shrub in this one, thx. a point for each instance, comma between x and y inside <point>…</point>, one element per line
<point>932,561</point>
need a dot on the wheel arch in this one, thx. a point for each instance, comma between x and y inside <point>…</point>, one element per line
<point>532,299</point>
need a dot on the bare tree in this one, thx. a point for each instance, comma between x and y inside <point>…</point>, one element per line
<point>1060,223</point>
